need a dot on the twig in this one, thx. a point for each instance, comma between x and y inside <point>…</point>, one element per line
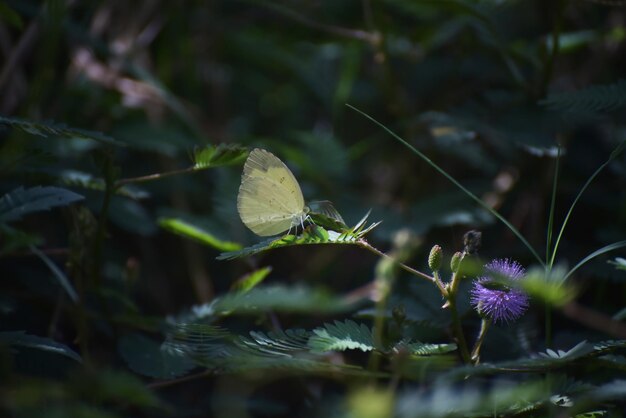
<point>364,244</point>
<point>155,176</point>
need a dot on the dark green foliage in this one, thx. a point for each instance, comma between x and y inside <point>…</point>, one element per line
<point>603,98</point>
<point>20,202</point>
<point>342,336</point>
<point>217,349</point>
<point>46,130</point>
<point>294,349</point>
<point>87,181</point>
<point>582,355</point>
<point>144,356</point>
<point>21,339</point>
<point>283,299</point>
<point>129,286</point>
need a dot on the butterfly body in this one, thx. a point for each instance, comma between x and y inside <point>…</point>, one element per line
<point>270,200</point>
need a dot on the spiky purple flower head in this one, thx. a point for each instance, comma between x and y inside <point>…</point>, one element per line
<point>497,301</point>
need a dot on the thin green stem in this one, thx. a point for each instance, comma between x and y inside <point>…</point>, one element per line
<point>150,177</point>
<point>456,183</point>
<point>599,251</point>
<point>456,320</point>
<point>377,332</point>
<point>364,244</point>
<point>458,330</point>
<point>613,155</point>
<point>484,327</point>
<point>552,206</point>
<point>438,280</point>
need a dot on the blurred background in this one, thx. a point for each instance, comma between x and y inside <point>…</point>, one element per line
<point>486,89</point>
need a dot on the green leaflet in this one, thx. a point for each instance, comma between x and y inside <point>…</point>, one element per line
<point>215,156</point>
<point>14,205</point>
<point>312,234</point>
<point>188,230</point>
<point>46,129</point>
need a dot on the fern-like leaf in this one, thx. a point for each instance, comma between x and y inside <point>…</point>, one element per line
<point>424,349</point>
<point>312,234</point>
<point>20,202</point>
<point>276,343</point>
<point>46,129</point>
<point>602,98</point>
<point>347,335</point>
<point>218,350</point>
<point>215,156</point>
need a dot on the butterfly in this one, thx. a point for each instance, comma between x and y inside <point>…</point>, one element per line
<point>270,200</point>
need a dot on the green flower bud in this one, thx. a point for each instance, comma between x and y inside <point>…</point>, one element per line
<point>455,263</point>
<point>435,257</point>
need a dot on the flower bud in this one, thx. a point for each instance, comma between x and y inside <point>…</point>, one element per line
<point>455,263</point>
<point>435,257</point>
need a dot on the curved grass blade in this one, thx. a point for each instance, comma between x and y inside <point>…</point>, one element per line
<point>600,251</point>
<point>455,182</point>
<point>63,281</point>
<point>21,339</point>
<point>186,229</point>
<point>618,150</point>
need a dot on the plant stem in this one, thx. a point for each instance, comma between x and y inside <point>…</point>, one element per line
<point>379,324</point>
<point>150,177</point>
<point>552,207</point>
<point>484,327</point>
<point>458,330</point>
<point>364,244</point>
<point>618,150</point>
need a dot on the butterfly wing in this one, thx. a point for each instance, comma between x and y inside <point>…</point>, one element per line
<point>270,200</point>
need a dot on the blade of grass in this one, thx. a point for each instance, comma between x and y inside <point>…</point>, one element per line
<point>456,183</point>
<point>613,155</point>
<point>60,276</point>
<point>552,205</point>
<point>600,251</point>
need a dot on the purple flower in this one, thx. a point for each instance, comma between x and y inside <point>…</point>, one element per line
<point>495,300</point>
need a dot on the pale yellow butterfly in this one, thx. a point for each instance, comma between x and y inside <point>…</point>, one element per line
<point>270,200</point>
